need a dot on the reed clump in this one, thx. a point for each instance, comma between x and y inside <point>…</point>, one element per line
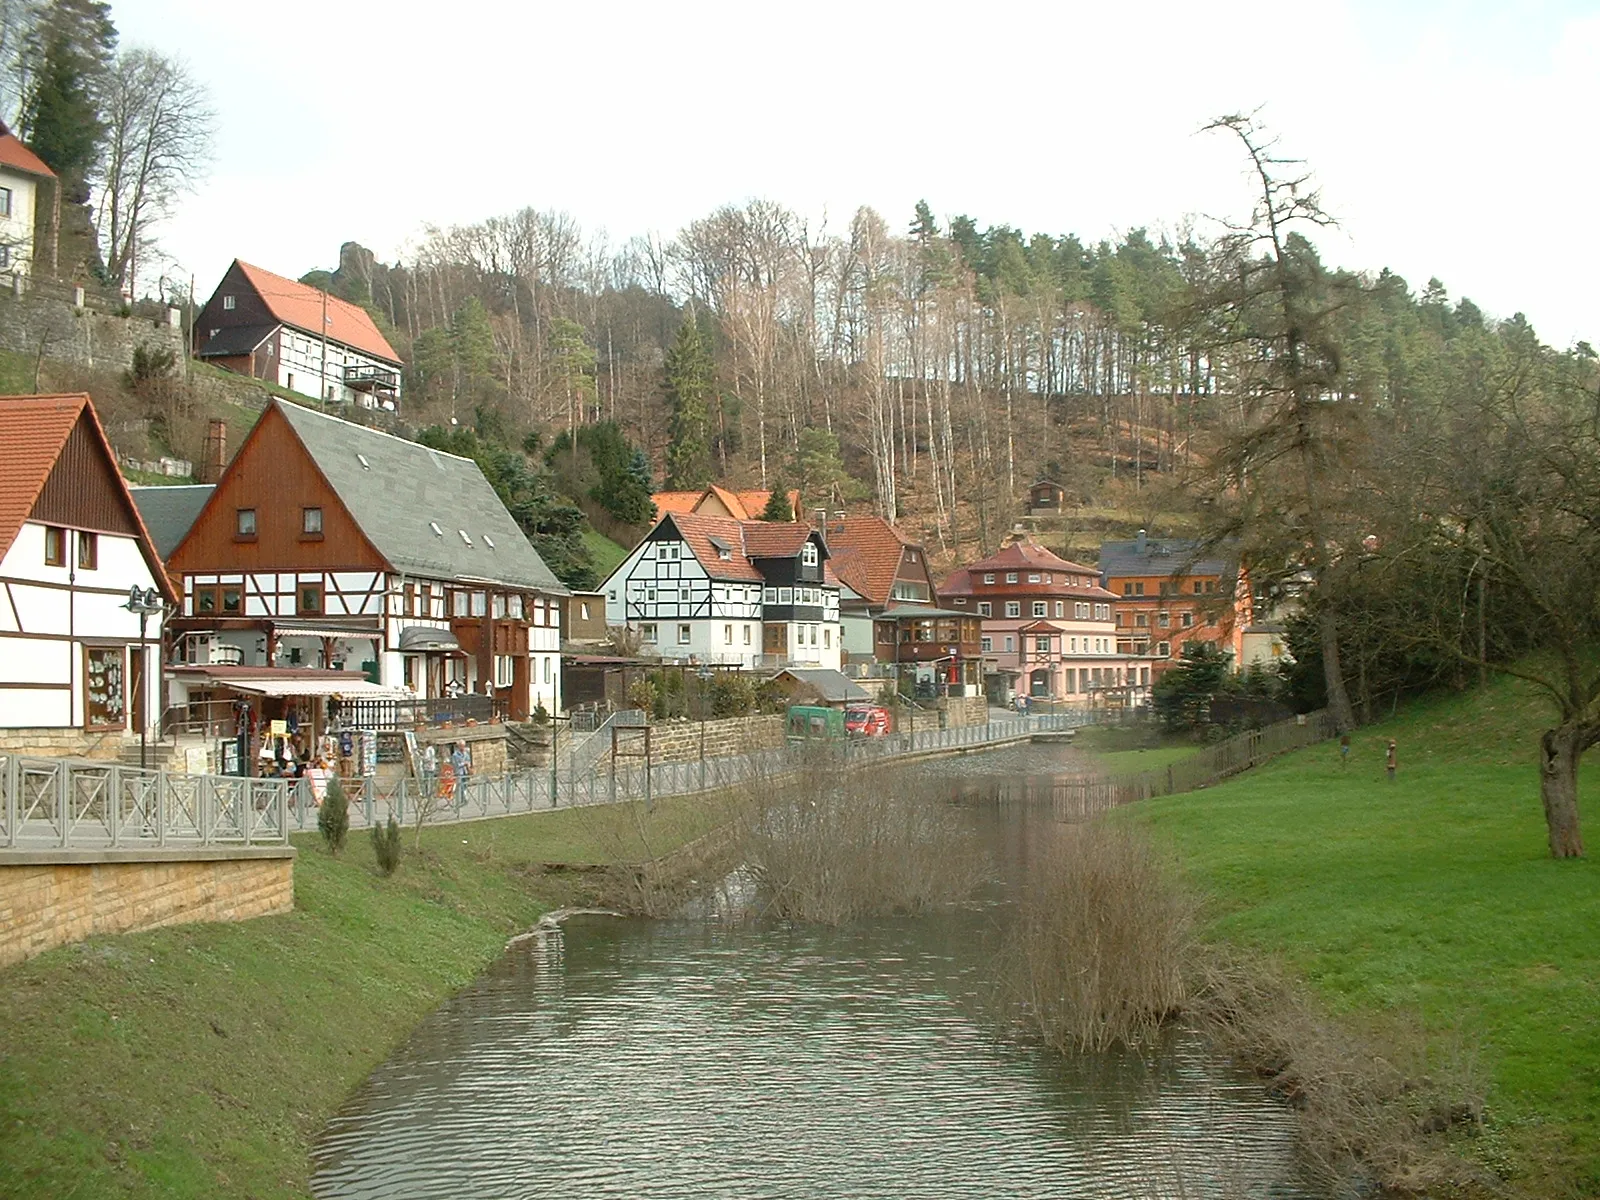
<point>1100,950</point>
<point>838,845</point>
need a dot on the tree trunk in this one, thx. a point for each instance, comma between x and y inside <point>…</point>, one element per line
<point>1559,751</point>
<point>1333,674</point>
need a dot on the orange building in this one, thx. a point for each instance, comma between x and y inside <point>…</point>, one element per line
<point>1169,593</point>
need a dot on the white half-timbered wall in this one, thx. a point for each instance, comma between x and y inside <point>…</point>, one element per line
<point>50,615</point>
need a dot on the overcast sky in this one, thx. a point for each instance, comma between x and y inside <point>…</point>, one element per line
<point>1450,139</point>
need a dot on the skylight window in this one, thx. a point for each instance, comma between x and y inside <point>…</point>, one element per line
<point>488,541</point>
<point>437,532</point>
<point>464,536</point>
<point>362,459</point>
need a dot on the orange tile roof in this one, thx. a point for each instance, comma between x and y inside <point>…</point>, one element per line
<point>850,565</point>
<point>675,502</point>
<point>742,506</point>
<point>300,305</point>
<point>774,539</point>
<point>698,530</point>
<point>18,157</point>
<point>877,547</point>
<point>33,429</point>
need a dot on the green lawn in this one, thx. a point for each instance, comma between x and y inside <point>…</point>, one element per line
<point>16,373</point>
<point>1131,762</point>
<point>1433,896</point>
<point>607,554</point>
<point>201,1060</point>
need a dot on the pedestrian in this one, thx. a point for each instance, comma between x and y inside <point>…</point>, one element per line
<point>1344,749</point>
<point>460,765</point>
<point>1392,763</point>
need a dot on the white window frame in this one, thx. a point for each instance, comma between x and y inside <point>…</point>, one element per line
<point>685,634</point>
<point>985,609</point>
<point>1013,608</point>
<point>648,633</point>
<point>808,554</point>
<point>1040,608</point>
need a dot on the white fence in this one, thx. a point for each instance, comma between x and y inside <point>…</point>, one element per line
<point>65,803</point>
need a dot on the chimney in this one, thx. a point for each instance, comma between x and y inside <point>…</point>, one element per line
<point>821,522</point>
<point>1138,543</point>
<point>216,457</point>
<point>838,521</point>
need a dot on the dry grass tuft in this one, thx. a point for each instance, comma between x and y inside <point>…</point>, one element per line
<point>1098,952</point>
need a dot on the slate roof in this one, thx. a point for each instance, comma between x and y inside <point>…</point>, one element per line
<point>833,686</point>
<point>18,157</point>
<point>403,487</point>
<point>33,431</point>
<point>301,305</point>
<point>169,512</point>
<point>1159,556</point>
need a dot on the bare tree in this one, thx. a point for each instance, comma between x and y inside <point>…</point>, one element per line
<point>158,141</point>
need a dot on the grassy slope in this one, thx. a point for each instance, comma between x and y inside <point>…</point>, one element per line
<point>607,554</point>
<point>201,1060</point>
<point>16,374</point>
<point>1433,896</point>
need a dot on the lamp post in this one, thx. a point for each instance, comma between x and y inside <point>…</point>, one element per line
<point>145,603</point>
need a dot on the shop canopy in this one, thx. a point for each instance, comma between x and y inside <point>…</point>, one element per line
<point>343,686</point>
<point>294,629</point>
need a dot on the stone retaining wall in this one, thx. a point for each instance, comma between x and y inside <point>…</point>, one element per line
<point>962,711</point>
<point>680,741</point>
<point>67,333</point>
<point>51,897</point>
<point>60,743</point>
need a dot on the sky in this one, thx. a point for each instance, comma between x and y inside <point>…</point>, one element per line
<point>1446,137</point>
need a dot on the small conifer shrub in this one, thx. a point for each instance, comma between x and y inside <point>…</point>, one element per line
<point>334,818</point>
<point>386,845</point>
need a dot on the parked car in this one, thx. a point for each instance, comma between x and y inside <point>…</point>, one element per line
<point>867,720</point>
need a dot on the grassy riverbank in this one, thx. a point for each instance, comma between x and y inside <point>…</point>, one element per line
<point>1430,900</point>
<point>201,1060</point>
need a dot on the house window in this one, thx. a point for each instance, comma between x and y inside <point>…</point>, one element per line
<point>230,303</point>
<point>961,601</point>
<point>231,597</point>
<point>1041,645</point>
<point>1033,577</point>
<point>244,522</point>
<point>547,669</point>
<point>310,600</point>
<point>503,670</point>
<point>1164,649</point>
<point>727,635</point>
<point>1013,608</point>
<point>1061,608</point>
<point>1187,619</point>
<point>460,604</point>
<point>1166,588</point>
<point>583,610</point>
<point>55,546</point>
<point>808,554</point>
<point>1164,619</point>
<point>1198,587</point>
<point>480,604</point>
<point>785,595</point>
<point>988,578</point>
<point>1011,576</point>
<point>771,595</point>
<point>311,522</point>
<point>514,608</point>
<point>985,609</point>
<point>827,639</point>
<point>747,635</point>
<point>205,600</point>
<point>1040,608</point>
<point>1141,620</point>
<point>1080,611</point>
<point>498,606</point>
<point>5,202</point>
<point>986,644</point>
<point>1011,643</point>
<point>1075,644</point>
<point>88,550</point>
<point>1127,589</point>
<point>683,635</point>
<point>647,634</point>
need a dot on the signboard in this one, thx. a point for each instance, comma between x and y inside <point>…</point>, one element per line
<point>280,729</point>
<point>196,761</point>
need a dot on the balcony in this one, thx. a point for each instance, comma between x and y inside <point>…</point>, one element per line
<point>373,379</point>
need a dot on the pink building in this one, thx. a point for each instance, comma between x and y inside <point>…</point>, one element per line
<point>1049,630</point>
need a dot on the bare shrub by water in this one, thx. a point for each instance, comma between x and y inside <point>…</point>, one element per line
<point>840,845</point>
<point>1098,954</point>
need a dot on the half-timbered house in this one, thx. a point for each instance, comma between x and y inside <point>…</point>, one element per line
<point>329,545</point>
<point>718,591</point>
<point>78,673</point>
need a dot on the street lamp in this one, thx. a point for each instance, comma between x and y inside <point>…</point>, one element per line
<point>145,602</point>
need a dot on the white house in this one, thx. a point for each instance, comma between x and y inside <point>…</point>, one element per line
<point>714,590</point>
<point>298,337</point>
<point>78,674</point>
<point>23,176</point>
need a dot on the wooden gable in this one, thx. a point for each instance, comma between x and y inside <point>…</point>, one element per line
<point>84,489</point>
<point>248,307</point>
<point>273,474</point>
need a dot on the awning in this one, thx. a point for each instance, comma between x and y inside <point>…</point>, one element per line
<point>422,639</point>
<point>353,689</point>
<point>285,629</point>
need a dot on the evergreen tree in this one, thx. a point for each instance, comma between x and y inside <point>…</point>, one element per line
<point>778,507</point>
<point>71,42</point>
<point>690,386</point>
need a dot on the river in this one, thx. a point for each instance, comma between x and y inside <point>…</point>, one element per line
<point>705,1057</point>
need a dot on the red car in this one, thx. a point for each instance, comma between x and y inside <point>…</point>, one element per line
<point>868,720</point>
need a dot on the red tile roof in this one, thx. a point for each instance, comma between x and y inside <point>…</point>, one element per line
<point>742,506</point>
<point>18,157</point>
<point>300,305</point>
<point>33,430</point>
<point>875,548</point>
<point>850,565</point>
<point>676,502</point>
<point>774,539</point>
<point>698,530</point>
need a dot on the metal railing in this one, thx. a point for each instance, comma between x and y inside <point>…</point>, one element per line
<point>416,712</point>
<point>63,803</point>
<point>582,756</point>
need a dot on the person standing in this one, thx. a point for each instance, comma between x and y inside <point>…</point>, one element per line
<point>1392,762</point>
<point>461,765</point>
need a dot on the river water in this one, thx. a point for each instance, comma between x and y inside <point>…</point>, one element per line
<point>704,1057</point>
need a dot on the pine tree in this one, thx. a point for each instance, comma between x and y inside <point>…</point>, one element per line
<point>690,386</point>
<point>72,42</point>
<point>778,507</point>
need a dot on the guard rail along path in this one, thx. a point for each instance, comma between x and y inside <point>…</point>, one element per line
<point>609,781</point>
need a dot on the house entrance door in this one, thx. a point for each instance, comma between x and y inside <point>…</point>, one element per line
<point>1039,683</point>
